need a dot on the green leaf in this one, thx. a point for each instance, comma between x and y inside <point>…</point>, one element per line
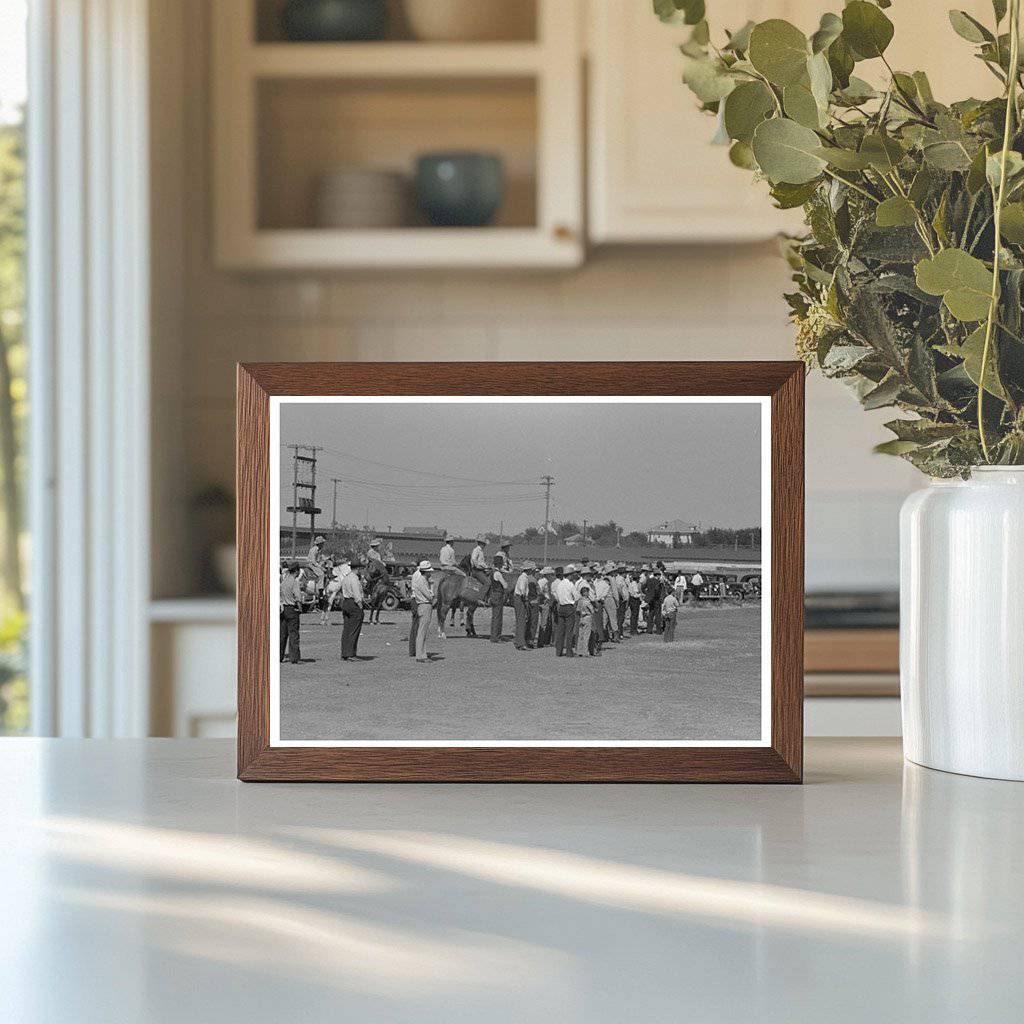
<point>895,212</point>
<point>819,74</point>
<point>971,351</point>
<point>844,159</point>
<point>741,155</point>
<point>947,156</point>
<point>779,51</point>
<point>866,29</point>
<point>745,108</point>
<point>788,197</point>
<point>841,63</point>
<point>969,28</point>
<point>895,447</point>
<point>787,152</point>
<point>883,152</point>
<point>689,12</point>
<point>829,30</point>
<point>1012,224</point>
<point>963,281</point>
<point>801,106</point>
<point>707,78</point>
<point>739,41</point>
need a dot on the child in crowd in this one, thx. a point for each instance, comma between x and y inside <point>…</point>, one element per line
<point>669,609</point>
<point>584,623</point>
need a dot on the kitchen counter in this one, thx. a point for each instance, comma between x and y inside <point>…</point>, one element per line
<point>140,882</point>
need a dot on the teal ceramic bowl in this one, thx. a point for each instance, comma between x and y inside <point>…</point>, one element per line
<point>460,189</point>
<point>334,21</point>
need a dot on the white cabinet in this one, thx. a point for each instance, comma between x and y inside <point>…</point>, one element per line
<point>653,177</point>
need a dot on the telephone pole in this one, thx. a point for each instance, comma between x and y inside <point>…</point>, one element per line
<point>334,506</point>
<point>303,456</point>
<point>546,482</point>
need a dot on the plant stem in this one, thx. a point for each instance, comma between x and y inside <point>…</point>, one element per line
<point>1011,109</point>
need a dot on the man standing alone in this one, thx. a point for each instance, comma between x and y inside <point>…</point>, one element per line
<point>352,612</point>
<point>291,601</point>
<point>422,596</point>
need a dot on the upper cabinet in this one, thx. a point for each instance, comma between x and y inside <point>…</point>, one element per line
<point>316,143</point>
<point>654,176</point>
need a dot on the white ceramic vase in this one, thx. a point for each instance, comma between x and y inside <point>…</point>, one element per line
<point>962,624</point>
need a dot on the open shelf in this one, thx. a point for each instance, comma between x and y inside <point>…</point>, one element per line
<point>287,114</point>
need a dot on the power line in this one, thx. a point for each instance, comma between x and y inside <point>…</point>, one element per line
<point>421,472</point>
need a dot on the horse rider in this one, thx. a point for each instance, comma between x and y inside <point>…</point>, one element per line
<point>446,560</point>
<point>478,566</point>
<point>505,555</point>
<point>315,560</point>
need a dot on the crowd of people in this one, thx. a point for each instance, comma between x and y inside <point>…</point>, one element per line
<point>576,609</point>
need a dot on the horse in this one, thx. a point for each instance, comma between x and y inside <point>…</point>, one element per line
<point>448,589</point>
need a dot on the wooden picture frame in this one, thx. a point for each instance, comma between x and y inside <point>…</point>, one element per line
<point>779,760</point>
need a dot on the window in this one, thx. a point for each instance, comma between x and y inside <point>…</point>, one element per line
<point>14,691</point>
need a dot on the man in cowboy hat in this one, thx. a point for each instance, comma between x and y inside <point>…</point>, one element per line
<point>421,594</point>
<point>564,593</point>
<point>505,555</point>
<point>351,610</point>
<point>497,599</point>
<point>478,566</point>
<point>523,597</point>
<point>446,560</point>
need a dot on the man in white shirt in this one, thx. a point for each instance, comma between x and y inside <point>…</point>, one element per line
<point>521,605</point>
<point>446,560</point>
<point>478,566</point>
<point>352,612</point>
<point>564,591</point>
<point>421,595</point>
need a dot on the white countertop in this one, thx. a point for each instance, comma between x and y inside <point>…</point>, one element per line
<point>140,882</point>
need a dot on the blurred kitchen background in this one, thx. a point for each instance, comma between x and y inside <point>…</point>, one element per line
<point>291,217</point>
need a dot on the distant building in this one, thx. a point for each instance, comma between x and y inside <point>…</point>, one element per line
<point>423,531</point>
<point>675,533</point>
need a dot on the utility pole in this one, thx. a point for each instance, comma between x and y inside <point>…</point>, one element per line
<point>546,482</point>
<point>306,504</point>
<point>334,504</point>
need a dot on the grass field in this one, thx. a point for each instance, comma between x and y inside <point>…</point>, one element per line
<point>704,686</point>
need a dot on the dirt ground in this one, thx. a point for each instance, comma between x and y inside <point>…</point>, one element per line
<point>704,686</point>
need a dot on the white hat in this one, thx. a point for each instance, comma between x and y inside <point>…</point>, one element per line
<point>425,564</point>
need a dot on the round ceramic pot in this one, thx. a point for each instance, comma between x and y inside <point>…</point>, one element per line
<point>460,189</point>
<point>962,624</point>
<point>470,20</point>
<point>333,21</point>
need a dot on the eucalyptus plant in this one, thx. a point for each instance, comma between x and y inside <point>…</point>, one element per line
<point>910,277</point>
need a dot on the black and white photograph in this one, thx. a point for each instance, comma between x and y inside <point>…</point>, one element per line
<point>520,570</point>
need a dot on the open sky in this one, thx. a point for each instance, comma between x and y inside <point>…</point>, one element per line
<point>468,467</point>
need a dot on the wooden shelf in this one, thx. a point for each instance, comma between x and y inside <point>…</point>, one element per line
<point>284,114</point>
<point>393,60</point>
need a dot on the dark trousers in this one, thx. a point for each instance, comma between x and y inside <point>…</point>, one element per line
<point>634,615</point>
<point>670,628</point>
<point>352,613</point>
<point>497,616</point>
<point>522,610</point>
<point>565,629</point>
<point>290,633</point>
<point>654,616</point>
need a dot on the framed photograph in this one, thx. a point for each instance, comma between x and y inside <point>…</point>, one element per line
<point>520,571</point>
